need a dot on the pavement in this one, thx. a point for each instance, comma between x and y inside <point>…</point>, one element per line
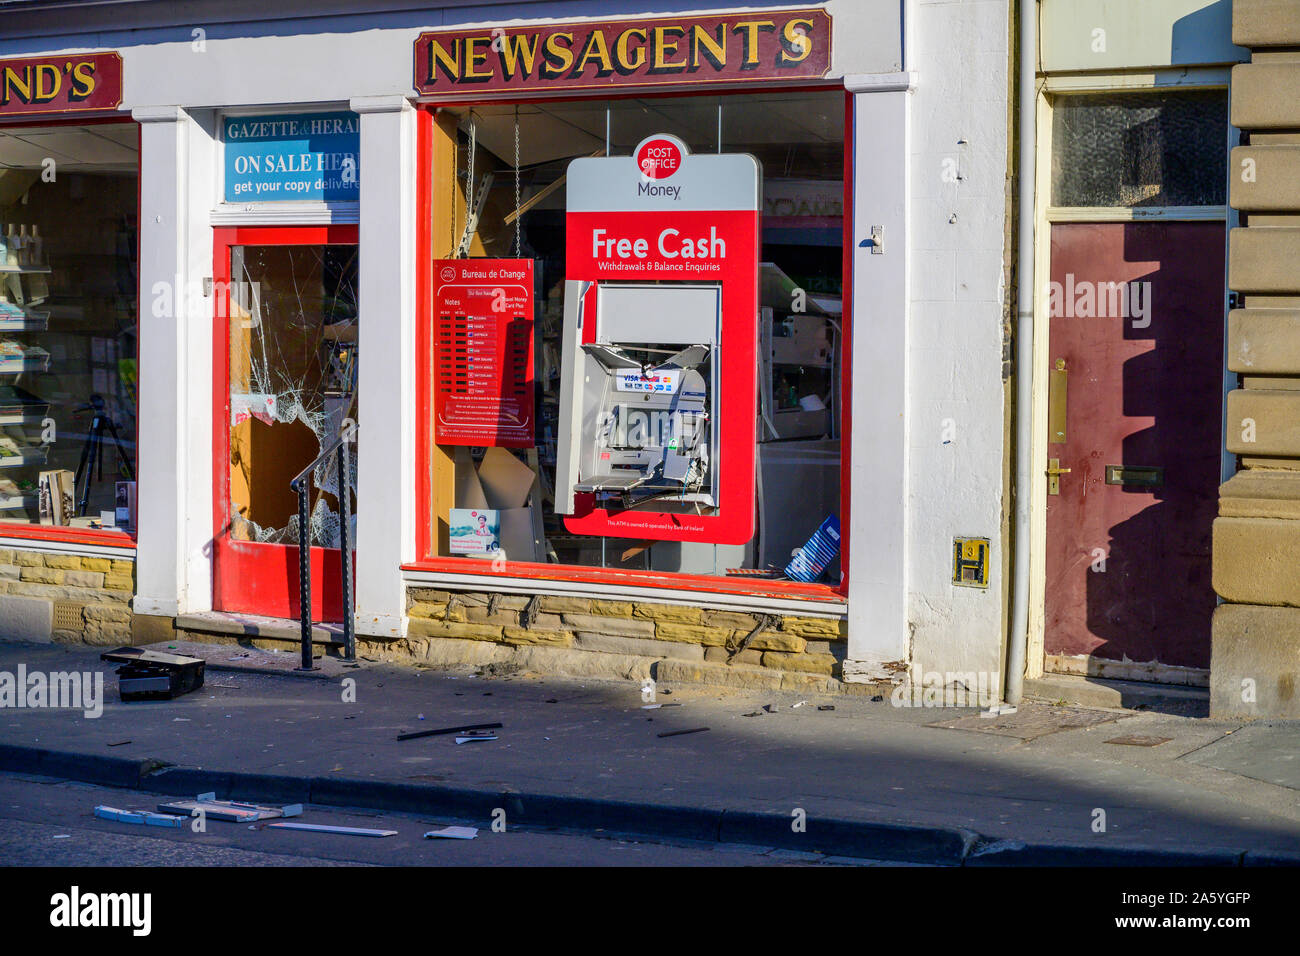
<point>47,822</point>
<point>866,779</point>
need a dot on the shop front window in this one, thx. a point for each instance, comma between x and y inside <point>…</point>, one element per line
<point>68,325</point>
<point>520,159</point>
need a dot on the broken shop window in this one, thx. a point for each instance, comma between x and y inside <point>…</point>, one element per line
<point>293,366</point>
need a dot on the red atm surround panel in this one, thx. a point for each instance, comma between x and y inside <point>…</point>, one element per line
<point>664,232</point>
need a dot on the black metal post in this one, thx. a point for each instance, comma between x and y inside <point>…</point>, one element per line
<point>345,551</point>
<point>304,570</point>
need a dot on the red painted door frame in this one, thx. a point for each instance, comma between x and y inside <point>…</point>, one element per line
<point>247,576</point>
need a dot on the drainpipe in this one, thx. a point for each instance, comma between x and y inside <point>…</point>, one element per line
<point>1026,165</point>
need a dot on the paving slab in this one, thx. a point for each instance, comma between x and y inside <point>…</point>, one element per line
<point>1257,751</point>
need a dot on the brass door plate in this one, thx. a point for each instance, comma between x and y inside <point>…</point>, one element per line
<point>1138,476</point>
<point>1057,382</point>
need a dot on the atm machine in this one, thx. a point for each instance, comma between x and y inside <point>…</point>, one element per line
<point>659,371</point>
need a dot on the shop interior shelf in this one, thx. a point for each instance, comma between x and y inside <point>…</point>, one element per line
<point>26,363</point>
<point>17,501</point>
<point>34,455</point>
<point>20,419</point>
<point>27,322</point>
<point>25,269</point>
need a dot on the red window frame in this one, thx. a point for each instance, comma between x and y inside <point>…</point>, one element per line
<point>256,577</point>
<point>424,532</point>
<point>89,536</point>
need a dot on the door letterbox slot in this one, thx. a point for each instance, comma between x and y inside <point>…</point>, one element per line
<point>1137,476</point>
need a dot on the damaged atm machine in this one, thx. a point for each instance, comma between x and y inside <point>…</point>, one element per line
<point>677,353</point>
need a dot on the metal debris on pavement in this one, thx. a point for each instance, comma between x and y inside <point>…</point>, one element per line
<point>471,736</point>
<point>452,833</point>
<point>229,810</point>
<point>678,733</point>
<point>325,828</point>
<point>146,817</point>
<point>1139,740</point>
<point>458,729</point>
<point>999,710</point>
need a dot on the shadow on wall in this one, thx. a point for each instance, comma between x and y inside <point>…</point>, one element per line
<point>1198,36</point>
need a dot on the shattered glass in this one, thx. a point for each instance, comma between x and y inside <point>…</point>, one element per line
<point>293,347</point>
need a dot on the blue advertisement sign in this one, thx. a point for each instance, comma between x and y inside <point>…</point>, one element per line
<point>293,157</point>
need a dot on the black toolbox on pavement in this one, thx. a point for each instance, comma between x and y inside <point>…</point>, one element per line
<point>151,675</point>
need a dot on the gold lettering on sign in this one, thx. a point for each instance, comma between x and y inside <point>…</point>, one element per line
<point>794,44</point>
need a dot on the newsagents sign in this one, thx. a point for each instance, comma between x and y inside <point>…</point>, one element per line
<point>784,45</point>
<point>292,157</point>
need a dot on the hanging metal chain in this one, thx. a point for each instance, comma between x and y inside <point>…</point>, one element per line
<point>469,183</point>
<point>519,242</point>
<point>455,171</point>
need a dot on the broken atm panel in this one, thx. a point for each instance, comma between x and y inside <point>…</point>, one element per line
<point>650,383</point>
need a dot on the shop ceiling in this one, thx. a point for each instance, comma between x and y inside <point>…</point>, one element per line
<point>551,131</point>
<point>106,147</point>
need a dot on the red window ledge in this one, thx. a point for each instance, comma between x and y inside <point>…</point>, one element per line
<point>103,539</point>
<point>790,590</point>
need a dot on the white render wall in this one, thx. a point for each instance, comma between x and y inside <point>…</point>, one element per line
<point>877,535</point>
<point>959,52</point>
<point>174,434</point>
<point>1077,35</point>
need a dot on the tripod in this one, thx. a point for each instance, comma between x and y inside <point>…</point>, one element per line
<point>92,453</point>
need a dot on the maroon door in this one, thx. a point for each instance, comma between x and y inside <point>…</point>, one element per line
<point>1137,327</point>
